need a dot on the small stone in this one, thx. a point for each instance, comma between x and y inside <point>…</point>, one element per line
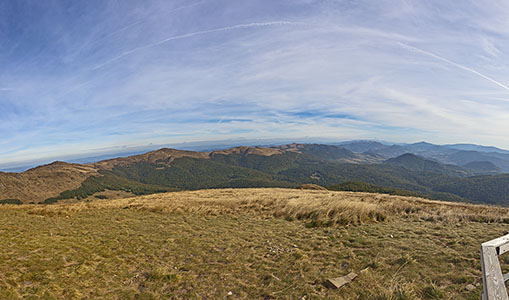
<point>391,236</point>
<point>336,283</point>
<point>470,287</point>
<point>230,293</point>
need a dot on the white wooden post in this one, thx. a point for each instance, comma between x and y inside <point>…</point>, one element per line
<point>492,278</point>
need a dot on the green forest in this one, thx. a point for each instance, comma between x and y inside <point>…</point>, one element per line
<point>407,175</point>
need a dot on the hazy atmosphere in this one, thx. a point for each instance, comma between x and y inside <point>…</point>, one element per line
<point>80,76</point>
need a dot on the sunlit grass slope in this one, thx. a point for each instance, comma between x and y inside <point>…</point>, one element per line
<point>245,244</point>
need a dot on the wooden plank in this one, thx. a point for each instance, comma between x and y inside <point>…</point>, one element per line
<point>493,280</point>
<point>498,242</point>
<point>503,249</point>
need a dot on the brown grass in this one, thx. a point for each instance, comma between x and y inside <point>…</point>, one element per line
<point>44,181</point>
<point>162,157</point>
<point>250,242</point>
<point>321,208</point>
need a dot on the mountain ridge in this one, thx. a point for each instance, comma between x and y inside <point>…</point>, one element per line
<point>289,165</point>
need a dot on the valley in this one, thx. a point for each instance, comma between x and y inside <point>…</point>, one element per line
<point>251,223</point>
<point>426,170</point>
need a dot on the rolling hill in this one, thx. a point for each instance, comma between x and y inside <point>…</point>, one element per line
<point>416,163</point>
<point>457,154</point>
<point>483,168</point>
<point>44,182</point>
<point>287,166</point>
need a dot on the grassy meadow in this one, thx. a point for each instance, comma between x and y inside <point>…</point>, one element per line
<point>245,244</point>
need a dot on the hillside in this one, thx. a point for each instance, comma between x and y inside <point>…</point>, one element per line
<point>465,157</point>
<point>44,182</point>
<point>329,153</point>
<point>286,166</point>
<point>162,158</point>
<point>245,244</point>
<point>419,164</point>
<point>458,154</point>
<point>164,169</point>
<point>483,168</point>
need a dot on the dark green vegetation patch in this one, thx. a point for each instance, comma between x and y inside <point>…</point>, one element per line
<point>407,175</point>
<point>356,186</point>
<point>108,181</point>
<point>11,201</point>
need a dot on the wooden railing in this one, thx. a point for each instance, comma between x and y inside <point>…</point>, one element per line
<point>492,278</point>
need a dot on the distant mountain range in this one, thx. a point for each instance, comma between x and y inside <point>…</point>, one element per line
<point>439,172</point>
<point>458,154</point>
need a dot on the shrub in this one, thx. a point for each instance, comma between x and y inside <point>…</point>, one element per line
<point>11,201</point>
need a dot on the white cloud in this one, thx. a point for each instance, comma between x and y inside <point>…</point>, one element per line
<point>455,64</point>
<point>168,72</point>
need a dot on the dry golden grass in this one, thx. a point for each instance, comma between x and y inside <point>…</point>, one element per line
<point>44,182</point>
<point>322,208</point>
<point>163,157</point>
<point>254,243</point>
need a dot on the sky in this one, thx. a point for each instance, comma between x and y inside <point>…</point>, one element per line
<point>82,77</point>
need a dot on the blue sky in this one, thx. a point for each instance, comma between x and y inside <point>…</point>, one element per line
<point>84,76</point>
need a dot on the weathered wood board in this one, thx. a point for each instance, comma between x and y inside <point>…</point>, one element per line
<point>493,279</point>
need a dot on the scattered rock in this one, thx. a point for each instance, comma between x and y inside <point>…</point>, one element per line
<point>230,293</point>
<point>391,236</point>
<point>278,250</point>
<point>338,282</point>
<point>470,287</point>
<point>142,287</point>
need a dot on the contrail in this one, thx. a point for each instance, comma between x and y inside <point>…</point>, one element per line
<point>454,64</point>
<point>142,21</point>
<point>188,35</point>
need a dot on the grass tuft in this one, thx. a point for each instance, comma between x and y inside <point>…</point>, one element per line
<point>252,243</point>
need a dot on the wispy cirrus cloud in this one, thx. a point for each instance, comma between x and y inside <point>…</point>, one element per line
<point>98,74</point>
<point>197,33</point>
<point>443,59</point>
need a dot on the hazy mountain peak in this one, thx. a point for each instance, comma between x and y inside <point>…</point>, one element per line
<point>423,143</point>
<point>483,167</point>
<point>416,163</point>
